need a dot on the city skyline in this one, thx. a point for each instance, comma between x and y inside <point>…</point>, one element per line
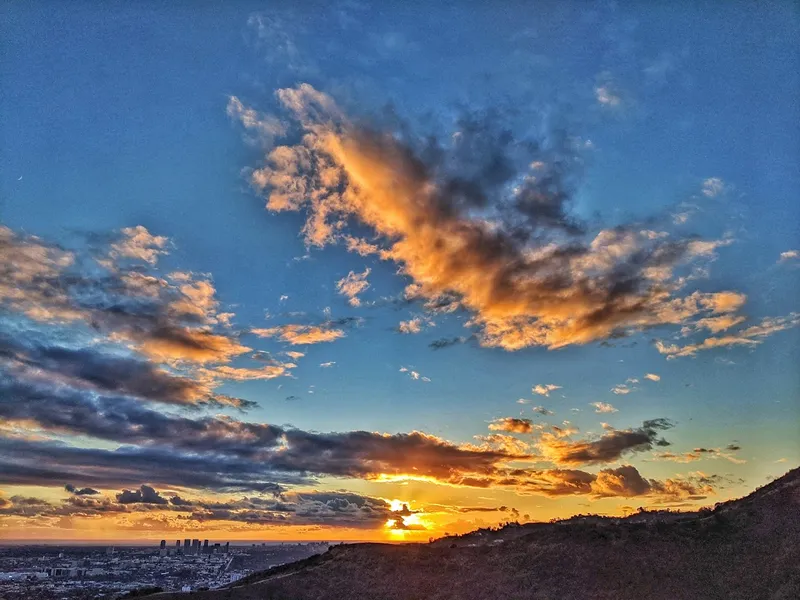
<point>335,273</point>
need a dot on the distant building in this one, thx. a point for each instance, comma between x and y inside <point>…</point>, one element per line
<point>163,544</point>
<point>205,546</point>
<point>186,545</point>
<point>227,547</point>
<point>65,572</point>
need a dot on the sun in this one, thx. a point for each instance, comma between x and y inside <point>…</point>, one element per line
<point>404,521</point>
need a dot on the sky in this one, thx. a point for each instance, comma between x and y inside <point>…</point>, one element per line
<point>386,271</point>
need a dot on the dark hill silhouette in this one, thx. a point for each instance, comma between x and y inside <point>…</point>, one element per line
<point>746,549</point>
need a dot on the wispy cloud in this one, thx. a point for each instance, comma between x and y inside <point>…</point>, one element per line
<point>750,337</point>
<point>603,407</point>
<point>696,454</point>
<point>265,128</point>
<point>139,244</point>
<point>352,285</point>
<point>789,256</point>
<point>417,324</point>
<point>545,389</point>
<point>713,186</point>
<point>415,375</point>
<point>606,96</point>
<point>300,335</point>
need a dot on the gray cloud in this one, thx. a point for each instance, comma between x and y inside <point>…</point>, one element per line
<point>608,448</point>
<point>80,491</point>
<point>107,369</point>
<point>145,495</point>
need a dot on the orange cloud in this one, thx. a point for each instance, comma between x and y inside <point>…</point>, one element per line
<point>523,283</point>
<point>749,336</point>
<point>298,335</point>
<point>512,424</point>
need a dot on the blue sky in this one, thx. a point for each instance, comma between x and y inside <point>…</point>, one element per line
<point>680,118</point>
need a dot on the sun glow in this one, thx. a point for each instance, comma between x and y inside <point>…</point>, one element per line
<point>404,521</point>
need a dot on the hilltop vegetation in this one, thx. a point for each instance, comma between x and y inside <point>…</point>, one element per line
<point>744,549</point>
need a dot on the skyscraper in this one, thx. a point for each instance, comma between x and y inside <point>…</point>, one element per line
<point>186,543</point>
<point>163,544</point>
<point>205,546</point>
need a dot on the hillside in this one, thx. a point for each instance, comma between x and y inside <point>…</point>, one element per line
<point>743,549</point>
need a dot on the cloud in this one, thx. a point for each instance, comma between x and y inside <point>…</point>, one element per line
<point>328,364</point>
<point>401,457</point>
<point>80,491</point>
<point>139,244</point>
<point>717,324</point>
<point>626,481</point>
<point>512,424</point>
<point>789,256</point>
<point>332,509</point>
<point>270,33</point>
<point>713,186</point>
<point>750,336</point>
<point>99,318</point>
<point>503,443</point>
<point>542,410</point>
<point>299,335</point>
<point>703,453</point>
<point>106,369</point>
<point>606,96</point>
<point>410,326</point>
<point>270,371</point>
<point>603,407</point>
<point>415,375</point>
<point>162,319</point>
<point>447,342</point>
<point>265,127</point>
<point>545,389</point>
<point>145,495</point>
<point>222,453</point>
<point>352,285</point>
<point>474,226</point>
<point>611,446</point>
<point>621,389</point>
<point>652,377</point>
